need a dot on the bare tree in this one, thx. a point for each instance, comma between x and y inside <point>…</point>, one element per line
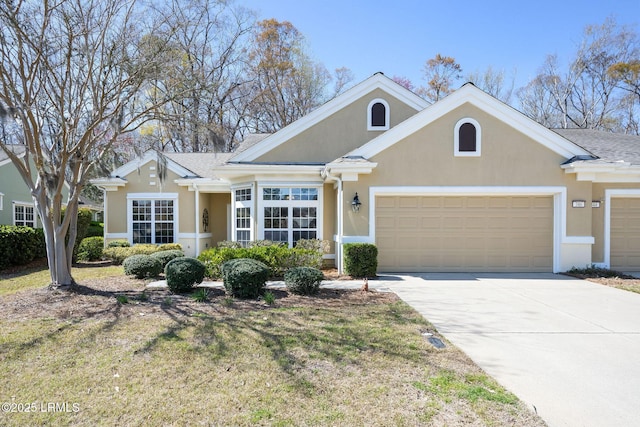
<point>495,83</point>
<point>204,68</point>
<point>285,84</point>
<point>70,78</point>
<point>440,72</point>
<point>590,93</point>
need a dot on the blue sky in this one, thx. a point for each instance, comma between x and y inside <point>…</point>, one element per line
<point>397,37</point>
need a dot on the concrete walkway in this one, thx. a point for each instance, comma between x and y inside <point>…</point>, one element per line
<point>566,347</point>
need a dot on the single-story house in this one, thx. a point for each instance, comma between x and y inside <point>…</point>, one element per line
<point>465,184</point>
<point>16,203</point>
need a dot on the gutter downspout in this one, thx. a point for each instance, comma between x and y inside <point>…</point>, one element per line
<point>197,245</point>
<point>340,219</point>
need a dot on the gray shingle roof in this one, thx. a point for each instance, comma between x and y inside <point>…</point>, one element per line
<point>201,164</point>
<point>608,146</point>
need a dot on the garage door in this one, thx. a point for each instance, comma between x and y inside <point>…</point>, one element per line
<point>492,234</point>
<point>625,234</point>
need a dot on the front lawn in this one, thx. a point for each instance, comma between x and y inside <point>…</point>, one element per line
<point>113,353</point>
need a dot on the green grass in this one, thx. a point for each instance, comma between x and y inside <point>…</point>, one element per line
<point>39,277</point>
<point>314,364</point>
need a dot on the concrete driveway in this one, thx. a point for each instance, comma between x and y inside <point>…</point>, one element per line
<point>566,347</point>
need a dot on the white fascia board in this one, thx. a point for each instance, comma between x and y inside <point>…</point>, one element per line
<point>109,184</point>
<point>149,156</point>
<point>377,81</point>
<point>608,172</point>
<point>204,185</point>
<point>230,171</point>
<point>476,97</point>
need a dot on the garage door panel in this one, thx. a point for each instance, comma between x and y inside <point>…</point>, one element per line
<point>625,234</point>
<point>467,233</point>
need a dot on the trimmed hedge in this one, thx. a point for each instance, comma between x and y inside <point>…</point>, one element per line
<point>118,254</point>
<point>121,243</point>
<point>245,277</point>
<point>360,259</point>
<point>303,280</point>
<point>90,249</point>
<point>278,257</point>
<point>183,274</point>
<point>142,266</point>
<point>20,245</point>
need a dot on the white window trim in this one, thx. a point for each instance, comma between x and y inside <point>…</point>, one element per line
<point>387,114</point>
<point>25,204</point>
<point>456,139</point>
<point>153,196</point>
<point>1,201</point>
<point>242,204</point>
<point>318,204</point>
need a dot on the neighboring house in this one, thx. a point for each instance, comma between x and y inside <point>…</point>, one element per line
<point>16,203</point>
<point>465,184</point>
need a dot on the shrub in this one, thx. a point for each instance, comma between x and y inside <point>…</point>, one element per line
<point>118,254</point>
<point>96,229</point>
<point>229,244</point>
<point>278,257</point>
<point>20,245</point>
<point>170,247</point>
<point>118,244</point>
<point>142,266</point>
<point>360,259</point>
<point>166,256</point>
<point>90,248</point>
<point>183,273</point>
<point>245,277</point>
<point>303,280</point>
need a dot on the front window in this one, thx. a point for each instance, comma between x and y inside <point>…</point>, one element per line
<point>153,221</point>
<point>24,215</point>
<point>243,215</point>
<point>289,214</point>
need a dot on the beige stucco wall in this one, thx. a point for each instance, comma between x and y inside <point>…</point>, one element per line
<point>339,134</point>
<point>508,158</point>
<point>329,217</point>
<point>141,182</point>
<point>218,212</point>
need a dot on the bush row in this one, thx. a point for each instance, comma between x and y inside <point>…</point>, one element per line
<point>20,245</point>
<point>277,257</point>
<point>118,254</point>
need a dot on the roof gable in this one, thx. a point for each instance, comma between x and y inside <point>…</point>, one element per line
<point>377,81</point>
<point>149,156</point>
<point>474,96</point>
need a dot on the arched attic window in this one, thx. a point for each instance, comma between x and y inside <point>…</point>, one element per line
<point>378,115</point>
<point>467,138</point>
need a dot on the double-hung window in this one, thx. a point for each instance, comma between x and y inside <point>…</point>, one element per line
<point>24,214</point>
<point>288,214</point>
<point>153,220</point>
<point>243,215</point>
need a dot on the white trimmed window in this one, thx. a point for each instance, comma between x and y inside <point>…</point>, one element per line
<point>378,115</point>
<point>467,138</point>
<point>288,214</point>
<point>1,201</point>
<point>242,215</point>
<point>152,219</point>
<point>24,214</point>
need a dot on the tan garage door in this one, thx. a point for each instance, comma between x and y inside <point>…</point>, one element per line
<point>490,234</point>
<point>625,234</point>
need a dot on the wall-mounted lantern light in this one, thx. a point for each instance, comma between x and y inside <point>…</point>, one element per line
<point>355,204</point>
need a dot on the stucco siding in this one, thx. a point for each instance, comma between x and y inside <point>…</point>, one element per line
<point>339,134</point>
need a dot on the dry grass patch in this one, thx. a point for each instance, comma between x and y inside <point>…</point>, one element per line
<point>342,358</point>
<point>611,278</point>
